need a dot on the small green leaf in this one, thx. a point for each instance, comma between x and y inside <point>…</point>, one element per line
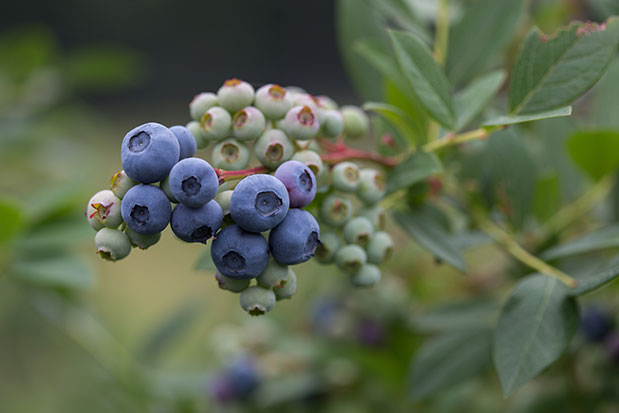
<point>471,101</point>
<point>10,220</point>
<point>397,117</point>
<point>205,262</point>
<point>590,281</point>
<point>607,237</point>
<point>424,76</point>
<point>596,152</point>
<point>432,236</point>
<point>553,71</point>
<point>415,168</point>
<point>512,120</point>
<point>56,271</point>
<point>449,359</point>
<point>536,325</point>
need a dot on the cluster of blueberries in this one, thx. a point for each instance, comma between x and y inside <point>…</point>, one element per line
<point>259,226</point>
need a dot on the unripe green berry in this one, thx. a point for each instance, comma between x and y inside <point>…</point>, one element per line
<point>332,123</point>
<point>274,101</point>
<point>289,287</point>
<point>198,134</point>
<point>223,199</point>
<point>216,123</point>
<point>121,183</point>
<point>200,104</point>
<point>248,124</point>
<point>257,300</point>
<point>336,210</point>
<point>372,186</point>
<point>234,285</point>
<point>274,275</point>
<point>326,102</point>
<point>367,276</point>
<point>103,210</point>
<point>359,231</point>
<point>329,245</point>
<point>350,258</point>
<point>273,148</point>
<point>112,244</point>
<point>301,123</point>
<point>356,122</point>
<point>235,94</point>
<point>345,177</point>
<point>165,187</point>
<point>311,159</point>
<point>231,155</point>
<point>376,214</point>
<point>379,248</point>
<point>142,241</point>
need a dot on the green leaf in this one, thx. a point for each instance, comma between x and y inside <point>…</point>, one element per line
<point>471,101</point>
<point>551,72</point>
<point>404,15</point>
<point>449,359</point>
<point>10,220</point>
<point>413,169</point>
<point>425,77</point>
<point>397,117</point>
<point>607,237</point>
<point>431,235</point>
<point>205,262</point>
<point>512,120</point>
<point>589,281</point>
<point>547,196</point>
<point>458,315</point>
<point>536,325</point>
<point>482,33</point>
<point>57,271</point>
<point>596,152</point>
<point>59,233</point>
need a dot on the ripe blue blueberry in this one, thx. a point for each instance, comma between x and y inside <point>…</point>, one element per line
<point>257,300</point>
<point>329,244</point>
<point>356,122</point>
<point>149,152</point>
<point>359,231</point>
<point>103,210</point>
<point>350,258</point>
<point>274,101</point>
<point>193,182</point>
<point>121,183</point>
<point>146,209</point>
<point>379,248</point>
<point>186,141</point>
<point>198,134</point>
<point>239,254</point>
<point>201,103</point>
<point>366,276</point>
<point>345,177</point>
<point>336,210</point>
<point>259,202</point>
<point>231,155</point>
<point>274,275</point>
<point>300,182</point>
<point>248,124</point>
<point>196,224</point>
<point>235,94</point>
<point>595,323</point>
<point>295,240</point>
<point>142,241</point>
<point>301,123</point>
<point>371,186</point>
<point>287,288</point>
<point>112,244</point>
<point>273,148</point>
<point>234,285</point>
<point>216,123</point>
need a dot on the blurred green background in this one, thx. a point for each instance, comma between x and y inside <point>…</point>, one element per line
<point>151,333</point>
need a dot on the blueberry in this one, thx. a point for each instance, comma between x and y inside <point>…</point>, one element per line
<point>142,241</point>
<point>375,214</point>
<point>146,209</point>
<point>201,103</point>
<point>149,152</point>
<point>103,210</point>
<point>301,123</point>
<point>234,285</point>
<point>112,244</point>
<point>259,202</point>
<point>595,323</point>
<point>332,123</point>
<point>244,373</point>
<point>235,94</point>
<point>231,155</point>
<point>371,186</point>
<point>273,148</point>
<point>288,288</point>
<point>350,258</point>
<point>186,141</point>
<point>359,231</point>
<point>305,99</point>
<point>345,177</point>
<point>356,122</point>
<point>295,240</point>
<point>311,159</point>
<point>329,244</point>
<point>380,247</point>
<point>121,183</point>
<point>223,199</point>
<point>165,187</point>
<point>274,101</point>
<point>336,210</point>
<point>366,276</point>
<point>216,123</point>
<point>300,182</point>
<point>326,102</point>
<point>257,300</point>
<point>239,254</point>
<point>196,224</point>
<point>274,275</point>
<point>248,124</point>
<point>198,134</point>
<point>193,182</point>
